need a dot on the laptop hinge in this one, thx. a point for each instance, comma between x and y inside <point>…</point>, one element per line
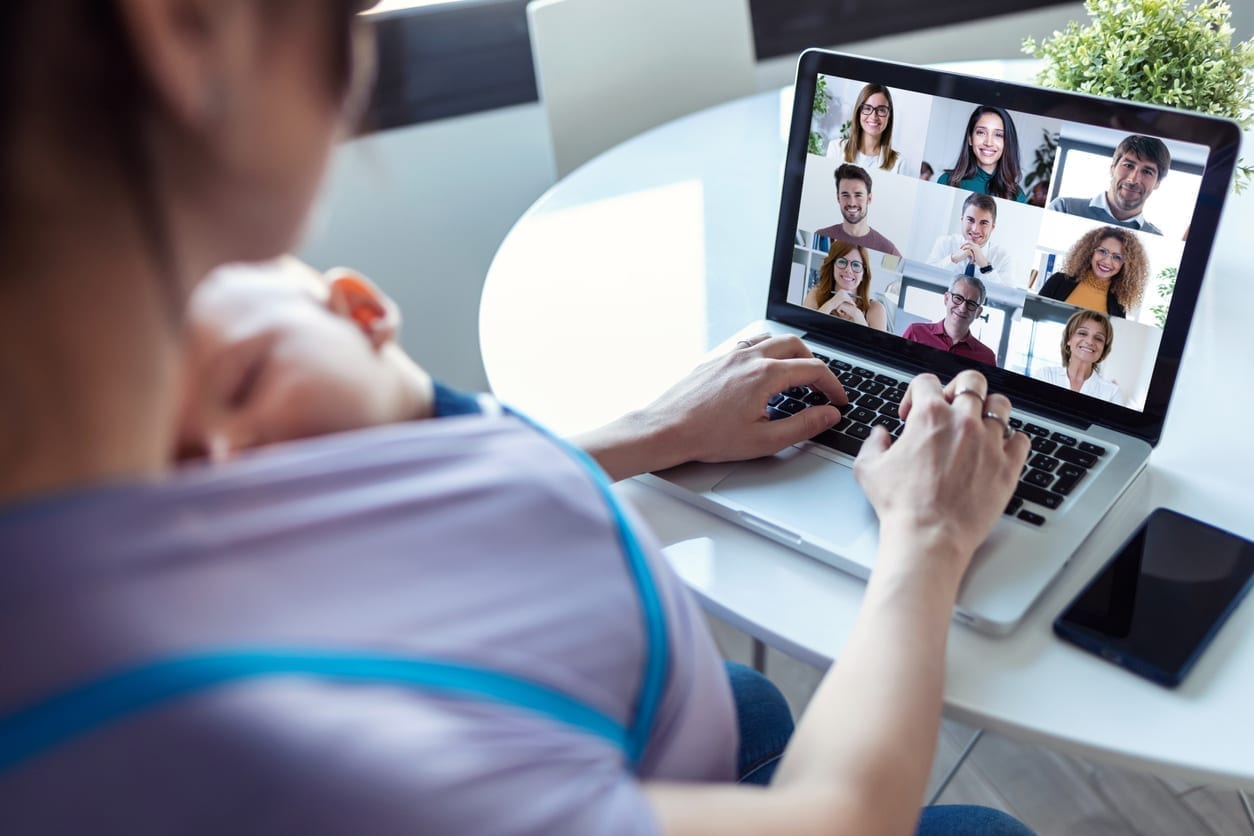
<point>1021,403</point>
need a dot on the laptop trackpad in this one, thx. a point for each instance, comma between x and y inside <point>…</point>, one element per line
<point>809,495</point>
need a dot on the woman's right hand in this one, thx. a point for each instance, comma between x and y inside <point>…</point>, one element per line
<point>849,312</point>
<point>946,481</point>
<point>837,299</point>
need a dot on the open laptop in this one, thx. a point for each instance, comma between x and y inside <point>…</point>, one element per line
<point>1087,447</point>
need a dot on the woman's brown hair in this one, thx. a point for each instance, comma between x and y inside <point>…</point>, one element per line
<point>73,63</point>
<point>1073,324</point>
<point>827,275</point>
<point>853,145</point>
<point>1128,284</point>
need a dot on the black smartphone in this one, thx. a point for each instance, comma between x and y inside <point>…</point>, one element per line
<point>1160,600</point>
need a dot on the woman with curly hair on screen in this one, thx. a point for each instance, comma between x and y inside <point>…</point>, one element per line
<point>988,161</point>
<point>844,288</point>
<point>870,143</point>
<point>1105,270</point>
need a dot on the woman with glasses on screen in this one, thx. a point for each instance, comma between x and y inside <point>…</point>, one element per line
<point>988,161</point>
<point>844,285</point>
<point>870,143</point>
<point>1105,271</point>
<point>1086,342</point>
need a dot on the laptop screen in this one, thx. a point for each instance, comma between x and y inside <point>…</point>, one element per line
<point>1045,237</point>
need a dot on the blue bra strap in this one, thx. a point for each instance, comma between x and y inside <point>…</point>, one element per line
<point>29,731</point>
<point>657,647</point>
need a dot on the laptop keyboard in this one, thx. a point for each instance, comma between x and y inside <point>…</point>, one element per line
<point>1056,466</point>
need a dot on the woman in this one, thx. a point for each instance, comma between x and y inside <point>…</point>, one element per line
<point>989,159</point>
<point>1086,342</point>
<point>1105,271</point>
<point>307,619</point>
<point>843,289</point>
<point>870,143</point>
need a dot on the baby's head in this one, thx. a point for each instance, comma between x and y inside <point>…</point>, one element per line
<point>277,352</point>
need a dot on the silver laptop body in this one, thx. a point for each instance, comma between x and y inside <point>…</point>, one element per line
<point>806,497</point>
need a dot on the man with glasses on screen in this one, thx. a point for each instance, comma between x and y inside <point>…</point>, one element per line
<point>1139,165</point>
<point>963,303</point>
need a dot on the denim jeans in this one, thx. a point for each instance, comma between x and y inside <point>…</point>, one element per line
<point>766,725</point>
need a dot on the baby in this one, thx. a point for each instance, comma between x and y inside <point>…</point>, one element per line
<point>278,351</point>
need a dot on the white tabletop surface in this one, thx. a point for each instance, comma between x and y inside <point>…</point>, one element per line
<point>623,275</point>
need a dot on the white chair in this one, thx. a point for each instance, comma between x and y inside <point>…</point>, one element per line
<point>610,69</point>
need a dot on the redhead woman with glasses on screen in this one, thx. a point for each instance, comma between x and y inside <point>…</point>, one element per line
<point>843,288</point>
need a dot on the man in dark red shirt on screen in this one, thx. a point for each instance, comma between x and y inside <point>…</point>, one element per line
<point>963,302</point>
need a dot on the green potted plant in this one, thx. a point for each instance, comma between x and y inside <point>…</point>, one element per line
<point>1042,165</point>
<point>818,142</point>
<point>1167,52</point>
<point>1166,285</point>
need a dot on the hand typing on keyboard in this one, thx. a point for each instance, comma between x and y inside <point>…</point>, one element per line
<point>948,477</point>
<point>718,413</point>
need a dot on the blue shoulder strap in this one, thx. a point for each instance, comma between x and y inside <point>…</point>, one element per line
<point>78,710</point>
<point>657,652</point>
<point>31,730</point>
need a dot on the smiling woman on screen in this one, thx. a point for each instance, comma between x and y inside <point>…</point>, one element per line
<point>870,143</point>
<point>1086,342</point>
<point>1105,271</point>
<point>988,161</point>
<point>843,289</point>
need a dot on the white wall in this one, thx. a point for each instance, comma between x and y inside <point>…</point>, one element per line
<point>997,37</point>
<point>421,211</point>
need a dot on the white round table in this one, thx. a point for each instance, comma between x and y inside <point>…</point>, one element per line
<point>625,273</point>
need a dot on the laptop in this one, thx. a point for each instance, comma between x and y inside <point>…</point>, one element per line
<point>907,235</point>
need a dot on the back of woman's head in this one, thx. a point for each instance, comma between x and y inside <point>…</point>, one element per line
<point>83,110</point>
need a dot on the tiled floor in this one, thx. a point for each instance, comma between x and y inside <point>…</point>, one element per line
<point>1054,794</point>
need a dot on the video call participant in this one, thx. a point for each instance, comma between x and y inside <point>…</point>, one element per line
<point>988,161</point>
<point>1105,271</point>
<point>1139,167</point>
<point>870,143</point>
<point>844,287</point>
<point>853,194</point>
<point>1086,342</point>
<point>972,250</point>
<point>963,302</point>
